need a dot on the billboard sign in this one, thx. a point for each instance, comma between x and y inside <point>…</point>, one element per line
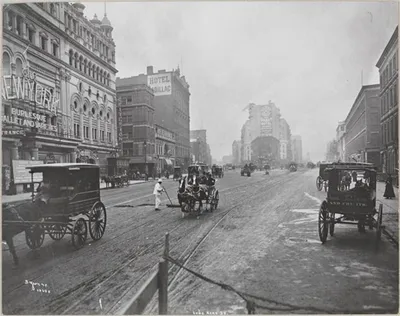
<point>160,83</point>
<point>22,175</point>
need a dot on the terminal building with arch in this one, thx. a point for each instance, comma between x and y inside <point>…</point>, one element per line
<point>59,96</point>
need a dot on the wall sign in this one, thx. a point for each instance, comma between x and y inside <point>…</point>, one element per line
<point>22,175</point>
<point>160,83</point>
<point>22,118</point>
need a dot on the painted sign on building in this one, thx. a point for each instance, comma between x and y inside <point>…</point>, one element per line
<point>22,118</point>
<point>160,83</point>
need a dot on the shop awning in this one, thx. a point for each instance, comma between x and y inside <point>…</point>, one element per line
<point>168,161</point>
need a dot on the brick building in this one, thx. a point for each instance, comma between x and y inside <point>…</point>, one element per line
<point>362,127</point>
<point>61,67</point>
<point>388,70</point>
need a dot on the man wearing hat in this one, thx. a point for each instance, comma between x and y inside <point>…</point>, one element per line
<point>158,189</point>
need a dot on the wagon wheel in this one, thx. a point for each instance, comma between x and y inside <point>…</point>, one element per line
<point>97,221</point>
<point>322,222</point>
<point>57,231</point>
<point>379,223</point>
<point>34,236</point>
<point>332,224</point>
<point>79,233</point>
<point>318,183</point>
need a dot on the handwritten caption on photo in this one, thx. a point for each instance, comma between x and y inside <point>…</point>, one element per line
<point>38,287</point>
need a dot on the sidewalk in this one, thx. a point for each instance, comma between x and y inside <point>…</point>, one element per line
<point>390,210</point>
<point>28,195</point>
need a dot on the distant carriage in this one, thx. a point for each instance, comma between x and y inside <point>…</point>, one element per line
<point>217,171</point>
<point>67,190</point>
<point>293,167</point>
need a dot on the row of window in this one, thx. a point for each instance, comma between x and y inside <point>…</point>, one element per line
<point>77,133</point>
<point>138,115</point>
<point>389,99</point>
<point>17,24</point>
<point>137,97</point>
<point>83,65</point>
<point>137,149</point>
<point>90,38</point>
<point>93,110</point>
<point>389,71</point>
<point>389,130</point>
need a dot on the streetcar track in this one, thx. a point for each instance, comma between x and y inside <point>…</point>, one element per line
<point>107,275</point>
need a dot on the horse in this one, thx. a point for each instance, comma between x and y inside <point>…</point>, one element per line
<point>106,179</point>
<point>16,212</point>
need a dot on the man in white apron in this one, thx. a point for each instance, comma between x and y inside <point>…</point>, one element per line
<point>158,189</point>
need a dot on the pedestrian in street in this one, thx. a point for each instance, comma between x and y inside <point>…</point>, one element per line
<point>158,189</point>
<point>389,192</point>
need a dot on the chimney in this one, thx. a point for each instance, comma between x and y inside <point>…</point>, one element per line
<point>150,70</point>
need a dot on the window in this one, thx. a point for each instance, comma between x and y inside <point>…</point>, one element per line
<point>395,101</point>
<point>93,111</point>
<point>19,25</point>
<point>102,138</point>
<point>31,35</point>
<point>84,108</point>
<point>108,115</point>
<point>75,105</point>
<point>76,130</point>
<point>90,92</point>
<point>129,100</point>
<point>94,133</point>
<point>18,70</point>
<point>55,49</point>
<point>43,43</point>
<point>109,136</point>
<point>71,57</point>
<point>86,132</point>
<point>6,64</point>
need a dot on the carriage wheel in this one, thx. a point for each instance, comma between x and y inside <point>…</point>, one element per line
<point>332,224</point>
<point>379,223</point>
<point>97,221</point>
<point>318,183</point>
<point>34,236</point>
<point>79,233</point>
<point>322,222</point>
<point>57,231</point>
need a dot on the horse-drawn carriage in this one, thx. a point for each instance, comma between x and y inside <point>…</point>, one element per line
<point>355,204</point>
<point>293,167</point>
<point>323,178</point>
<point>217,171</point>
<point>66,202</point>
<point>195,191</point>
<point>118,181</point>
<point>246,170</point>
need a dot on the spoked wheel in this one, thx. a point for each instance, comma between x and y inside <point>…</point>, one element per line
<point>332,225</point>
<point>34,236</point>
<point>97,221</point>
<point>79,233</point>
<point>379,224</point>
<point>57,231</point>
<point>323,222</point>
<point>318,183</point>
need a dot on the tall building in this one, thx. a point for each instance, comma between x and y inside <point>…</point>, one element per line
<point>362,127</point>
<point>265,150</point>
<point>59,88</point>
<point>264,120</point>
<point>285,141</point>
<point>341,140</point>
<point>171,108</point>
<point>236,152</point>
<point>297,148</point>
<point>199,147</point>
<point>389,128</point>
<point>246,142</point>
<point>137,139</point>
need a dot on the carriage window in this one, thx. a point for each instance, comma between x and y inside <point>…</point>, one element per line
<point>350,180</point>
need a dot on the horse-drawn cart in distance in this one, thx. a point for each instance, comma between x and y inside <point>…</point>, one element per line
<point>323,178</point>
<point>217,171</point>
<point>355,203</point>
<point>67,202</point>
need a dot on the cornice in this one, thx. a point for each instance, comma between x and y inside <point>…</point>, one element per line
<point>389,45</point>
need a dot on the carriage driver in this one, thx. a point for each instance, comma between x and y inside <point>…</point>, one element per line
<point>210,184</point>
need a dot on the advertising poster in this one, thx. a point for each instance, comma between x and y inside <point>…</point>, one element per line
<point>22,175</point>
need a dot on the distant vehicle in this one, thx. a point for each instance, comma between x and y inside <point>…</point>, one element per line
<point>245,171</point>
<point>228,166</point>
<point>293,167</point>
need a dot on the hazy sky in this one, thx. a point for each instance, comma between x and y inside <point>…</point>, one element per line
<point>307,57</point>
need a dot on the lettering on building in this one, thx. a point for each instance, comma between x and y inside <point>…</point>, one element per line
<point>160,83</point>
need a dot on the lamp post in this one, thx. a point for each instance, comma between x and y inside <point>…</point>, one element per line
<point>145,157</point>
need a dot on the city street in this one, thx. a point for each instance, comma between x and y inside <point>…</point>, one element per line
<point>262,239</point>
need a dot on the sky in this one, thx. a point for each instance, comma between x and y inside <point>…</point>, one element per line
<point>306,57</point>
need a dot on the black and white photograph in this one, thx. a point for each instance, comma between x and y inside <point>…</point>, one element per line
<point>200,157</point>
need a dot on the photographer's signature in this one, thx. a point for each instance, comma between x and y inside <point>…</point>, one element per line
<point>198,312</point>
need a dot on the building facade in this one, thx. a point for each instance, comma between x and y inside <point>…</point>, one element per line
<point>340,139</point>
<point>246,142</point>
<point>285,143</point>
<point>264,120</point>
<point>388,71</point>
<point>171,104</point>
<point>138,142</point>
<point>297,148</point>
<point>236,152</point>
<point>59,98</point>
<point>362,139</point>
<point>265,150</point>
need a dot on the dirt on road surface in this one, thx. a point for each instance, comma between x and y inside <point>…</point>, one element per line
<point>262,239</point>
